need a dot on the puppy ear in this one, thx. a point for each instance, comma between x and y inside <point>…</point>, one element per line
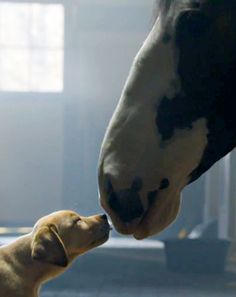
<point>48,247</point>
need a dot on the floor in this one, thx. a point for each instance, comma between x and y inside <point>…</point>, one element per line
<point>125,269</point>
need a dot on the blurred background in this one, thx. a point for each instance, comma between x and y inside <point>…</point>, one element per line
<point>63,64</point>
<point>62,68</point>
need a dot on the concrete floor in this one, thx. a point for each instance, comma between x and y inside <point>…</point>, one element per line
<point>128,271</point>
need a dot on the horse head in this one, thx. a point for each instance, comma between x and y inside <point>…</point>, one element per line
<point>176,115</point>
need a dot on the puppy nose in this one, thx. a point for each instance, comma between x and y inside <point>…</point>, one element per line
<point>104,217</point>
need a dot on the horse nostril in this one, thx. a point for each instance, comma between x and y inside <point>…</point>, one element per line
<point>126,204</point>
<point>114,202</point>
<point>164,184</point>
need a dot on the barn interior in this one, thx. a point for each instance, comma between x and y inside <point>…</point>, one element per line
<point>63,64</point>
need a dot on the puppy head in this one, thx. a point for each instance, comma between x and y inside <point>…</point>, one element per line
<point>61,236</point>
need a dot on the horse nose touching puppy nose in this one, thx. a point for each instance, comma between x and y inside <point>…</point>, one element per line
<point>104,217</point>
<point>126,203</point>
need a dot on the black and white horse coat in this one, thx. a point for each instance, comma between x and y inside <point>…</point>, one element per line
<point>176,115</point>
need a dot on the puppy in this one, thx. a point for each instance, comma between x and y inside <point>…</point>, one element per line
<point>56,240</point>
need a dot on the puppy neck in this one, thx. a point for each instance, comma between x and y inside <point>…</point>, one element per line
<point>33,273</point>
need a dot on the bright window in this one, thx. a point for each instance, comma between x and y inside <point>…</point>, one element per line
<point>31,47</point>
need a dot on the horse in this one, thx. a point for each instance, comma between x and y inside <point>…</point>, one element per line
<point>176,115</point>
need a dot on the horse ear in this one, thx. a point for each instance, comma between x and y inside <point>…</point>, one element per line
<point>48,247</point>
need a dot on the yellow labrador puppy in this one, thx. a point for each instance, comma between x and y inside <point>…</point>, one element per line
<point>56,240</point>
